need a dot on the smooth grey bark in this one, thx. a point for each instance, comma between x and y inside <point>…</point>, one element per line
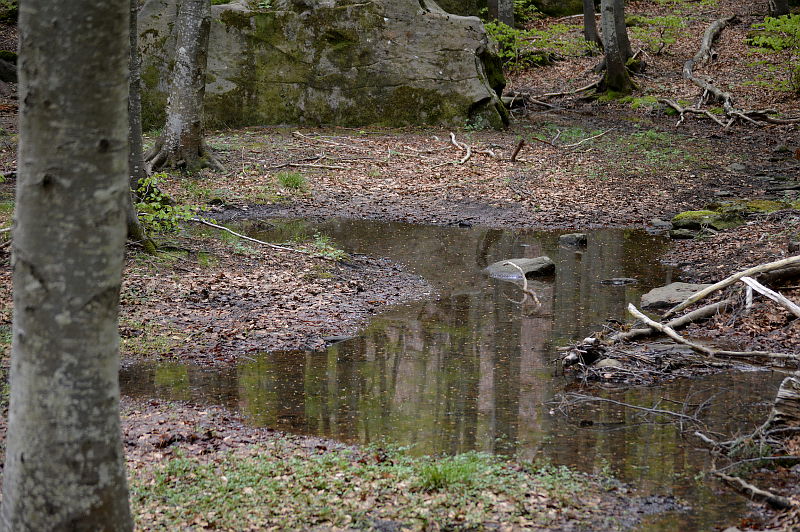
<point>590,24</point>
<point>622,30</point>
<point>136,168</point>
<point>778,8</point>
<point>64,466</point>
<point>502,10</point>
<point>616,78</point>
<point>182,145</point>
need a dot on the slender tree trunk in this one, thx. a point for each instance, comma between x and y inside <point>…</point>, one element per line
<point>617,78</point>
<point>778,8</point>
<point>64,466</point>
<point>182,145</point>
<point>590,24</point>
<point>136,169</point>
<point>502,10</point>
<point>622,30</point>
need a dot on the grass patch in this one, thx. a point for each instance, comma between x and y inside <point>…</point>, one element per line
<point>353,489</point>
<point>292,181</point>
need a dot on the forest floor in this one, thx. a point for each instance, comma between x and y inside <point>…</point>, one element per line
<point>210,299</point>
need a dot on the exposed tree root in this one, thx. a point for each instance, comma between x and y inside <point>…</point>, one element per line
<point>712,92</point>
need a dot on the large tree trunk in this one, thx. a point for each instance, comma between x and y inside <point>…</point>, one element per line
<point>778,8</point>
<point>617,78</point>
<point>182,145</point>
<point>136,169</point>
<point>502,10</point>
<point>590,24</point>
<point>64,467</point>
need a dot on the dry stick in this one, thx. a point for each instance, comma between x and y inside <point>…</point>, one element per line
<point>775,296</point>
<point>525,289</point>
<point>576,144</point>
<point>569,93</point>
<point>703,349</point>
<point>223,228</point>
<point>676,323</point>
<point>697,296</point>
<point>682,111</point>
<point>5,230</point>
<point>520,144</point>
<point>754,492</point>
<point>462,146</point>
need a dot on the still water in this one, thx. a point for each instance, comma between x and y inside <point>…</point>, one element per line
<point>472,370</point>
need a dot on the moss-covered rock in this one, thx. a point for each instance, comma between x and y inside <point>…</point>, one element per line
<point>463,7</point>
<point>706,218</point>
<point>340,62</point>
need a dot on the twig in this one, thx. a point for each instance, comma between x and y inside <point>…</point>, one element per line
<point>703,349</point>
<point>576,144</point>
<point>223,228</point>
<point>676,323</point>
<point>697,296</point>
<point>465,147</point>
<point>775,296</point>
<point>5,230</point>
<point>589,398</point>
<point>569,93</point>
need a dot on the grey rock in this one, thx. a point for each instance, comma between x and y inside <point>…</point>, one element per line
<point>736,167</point>
<point>388,62</point>
<point>530,266</point>
<point>608,363</point>
<point>665,297</point>
<point>574,240</point>
<point>682,234</point>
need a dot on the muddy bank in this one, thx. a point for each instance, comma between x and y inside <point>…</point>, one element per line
<point>213,301</point>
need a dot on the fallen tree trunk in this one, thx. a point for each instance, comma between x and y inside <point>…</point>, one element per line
<point>678,323</point>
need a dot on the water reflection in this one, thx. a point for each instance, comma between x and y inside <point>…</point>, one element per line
<point>473,370</point>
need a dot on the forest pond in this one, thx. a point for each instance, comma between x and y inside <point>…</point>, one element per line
<point>471,369</point>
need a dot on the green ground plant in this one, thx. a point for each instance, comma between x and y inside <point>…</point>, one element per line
<point>343,488</point>
<point>519,49</point>
<point>157,213</point>
<point>292,180</point>
<point>776,35</point>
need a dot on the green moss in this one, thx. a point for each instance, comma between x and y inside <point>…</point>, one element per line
<point>766,206</point>
<point>9,56</point>
<point>644,101</point>
<point>706,218</point>
<point>154,101</point>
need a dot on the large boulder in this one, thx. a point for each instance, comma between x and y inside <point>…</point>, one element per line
<point>345,62</point>
<point>463,7</point>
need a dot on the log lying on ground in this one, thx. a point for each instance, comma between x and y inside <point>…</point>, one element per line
<point>756,493</point>
<point>702,313</point>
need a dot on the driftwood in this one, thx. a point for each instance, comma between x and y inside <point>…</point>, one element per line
<point>770,266</point>
<point>705,350</point>
<point>525,290</point>
<point>775,296</point>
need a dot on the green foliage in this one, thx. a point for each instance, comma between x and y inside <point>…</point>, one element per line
<point>657,33</point>
<point>156,211</point>
<point>220,2</point>
<point>449,472</point>
<point>778,34</point>
<point>9,10</point>
<point>519,49</point>
<point>525,11</point>
<point>292,180</point>
<point>323,246</point>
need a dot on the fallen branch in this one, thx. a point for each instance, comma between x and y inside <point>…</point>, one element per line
<point>757,493</point>
<point>5,230</point>
<point>775,296</point>
<point>683,110</point>
<point>704,350</point>
<point>676,323</point>
<point>576,144</point>
<point>465,147</point>
<point>657,411</point>
<point>697,296</point>
<point>527,291</point>
<point>245,237</point>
